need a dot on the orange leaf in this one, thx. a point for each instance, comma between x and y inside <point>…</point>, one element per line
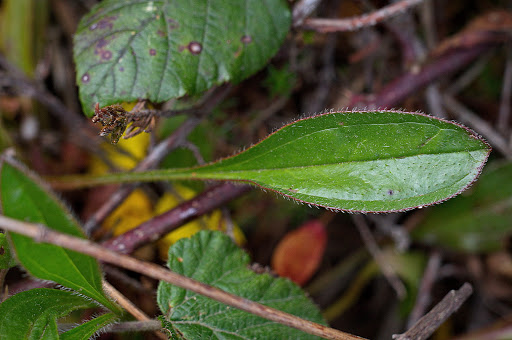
<point>299,253</point>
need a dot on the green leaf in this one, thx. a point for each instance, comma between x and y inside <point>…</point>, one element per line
<point>7,260</point>
<point>24,198</point>
<point>212,258</point>
<point>353,161</point>
<point>158,50</point>
<point>88,329</point>
<point>33,314</point>
<point>478,221</point>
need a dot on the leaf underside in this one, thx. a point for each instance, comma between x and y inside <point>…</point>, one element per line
<point>212,258</point>
<point>158,50</point>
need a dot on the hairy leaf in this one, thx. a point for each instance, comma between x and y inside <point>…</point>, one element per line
<point>162,49</point>
<point>353,161</point>
<point>23,198</point>
<point>212,258</point>
<point>478,221</point>
<point>87,330</point>
<point>33,314</point>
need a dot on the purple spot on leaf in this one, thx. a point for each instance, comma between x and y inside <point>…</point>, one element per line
<point>105,23</point>
<point>173,24</point>
<point>101,43</point>
<point>246,39</point>
<point>85,78</point>
<point>106,55</point>
<point>390,192</point>
<point>152,52</point>
<point>194,47</point>
<point>121,69</point>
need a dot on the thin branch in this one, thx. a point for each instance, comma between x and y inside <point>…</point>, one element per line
<point>411,82</point>
<point>375,251</point>
<point>156,155</point>
<point>133,326</point>
<point>154,229</point>
<point>506,92</point>
<point>81,132</point>
<point>124,302</point>
<point>43,234</point>
<point>129,306</point>
<point>356,23</point>
<point>469,75</point>
<point>151,161</point>
<point>302,10</point>
<point>470,118</point>
<point>423,298</point>
<point>438,315</point>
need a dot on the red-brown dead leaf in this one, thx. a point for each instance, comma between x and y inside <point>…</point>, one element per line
<point>300,252</point>
<point>486,28</point>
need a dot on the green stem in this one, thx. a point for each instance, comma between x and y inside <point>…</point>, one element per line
<point>84,181</point>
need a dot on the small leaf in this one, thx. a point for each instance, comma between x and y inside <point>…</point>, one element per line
<point>88,329</point>
<point>478,221</point>
<point>300,252</point>
<point>158,50</point>
<point>33,314</point>
<point>352,161</point>
<point>212,258</point>
<point>23,198</point>
<point>7,259</point>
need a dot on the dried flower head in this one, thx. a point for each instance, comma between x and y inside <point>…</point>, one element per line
<point>114,120</point>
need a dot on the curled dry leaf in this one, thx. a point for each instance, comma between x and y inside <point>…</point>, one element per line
<point>299,253</point>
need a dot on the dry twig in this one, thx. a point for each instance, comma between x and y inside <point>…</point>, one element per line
<point>45,235</point>
<point>438,315</point>
<point>374,249</point>
<point>470,118</point>
<point>154,229</point>
<point>357,23</point>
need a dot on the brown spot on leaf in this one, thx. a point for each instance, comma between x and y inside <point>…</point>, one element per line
<point>194,47</point>
<point>85,78</point>
<point>2,251</point>
<point>152,52</point>
<point>246,39</point>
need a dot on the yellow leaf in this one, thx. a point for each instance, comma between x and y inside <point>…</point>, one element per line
<point>135,210</point>
<point>214,221</point>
